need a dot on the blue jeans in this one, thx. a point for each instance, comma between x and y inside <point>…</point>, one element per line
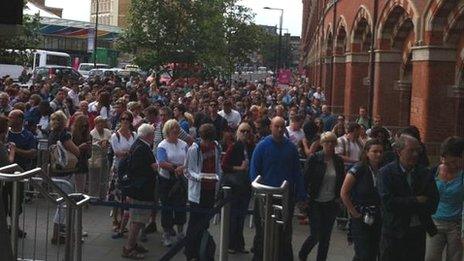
<point>321,220</point>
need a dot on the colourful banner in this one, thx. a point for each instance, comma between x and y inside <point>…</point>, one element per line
<point>284,76</point>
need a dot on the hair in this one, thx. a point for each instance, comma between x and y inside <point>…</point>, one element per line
<point>36,98</point>
<point>190,119</point>
<point>412,131</point>
<point>402,140</point>
<point>452,146</point>
<point>104,99</point>
<point>352,126</point>
<point>243,124</point>
<point>372,142</point>
<point>182,109</point>
<point>207,132</point>
<point>169,125</point>
<point>61,117</point>
<point>151,110</point>
<point>168,111</point>
<point>328,136</point>
<point>80,129</point>
<point>129,115</point>
<point>145,129</point>
<point>3,124</point>
<point>99,119</point>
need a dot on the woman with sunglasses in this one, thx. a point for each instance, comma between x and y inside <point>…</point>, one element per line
<point>121,142</point>
<point>360,196</point>
<point>235,166</point>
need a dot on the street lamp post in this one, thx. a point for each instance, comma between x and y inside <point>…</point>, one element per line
<point>280,33</point>
<point>95,37</point>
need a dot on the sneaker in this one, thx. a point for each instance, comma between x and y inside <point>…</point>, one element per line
<point>166,240</point>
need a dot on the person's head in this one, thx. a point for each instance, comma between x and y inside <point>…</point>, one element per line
<point>452,153</point>
<point>44,108</point>
<point>104,99</point>
<point>207,132</point>
<point>227,106</point>
<point>408,150</point>
<point>35,100</point>
<point>378,120</point>
<point>325,109</point>
<point>295,121</point>
<point>213,107</point>
<point>3,128</point>
<point>16,119</point>
<point>171,129</point>
<point>362,112</point>
<point>58,121</point>
<point>165,114</point>
<point>151,114</point>
<point>328,142</point>
<point>190,119</point>
<point>411,131</point>
<point>372,152</point>
<point>100,123</point>
<point>341,119</point>
<point>179,111</point>
<point>280,111</point>
<point>244,132</point>
<point>4,99</point>
<point>146,132</point>
<point>378,132</point>
<point>84,106</point>
<point>80,127</point>
<point>126,119</point>
<point>353,129</point>
<point>277,128</point>
<point>61,95</point>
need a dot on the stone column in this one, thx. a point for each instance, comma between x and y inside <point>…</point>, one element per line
<point>327,78</point>
<point>356,93</point>
<point>458,92</point>
<point>338,91</point>
<point>432,102</point>
<point>387,73</point>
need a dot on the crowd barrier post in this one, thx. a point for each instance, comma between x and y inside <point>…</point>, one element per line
<point>225,227</point>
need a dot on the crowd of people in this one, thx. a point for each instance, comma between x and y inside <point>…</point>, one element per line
<point>142,142</point>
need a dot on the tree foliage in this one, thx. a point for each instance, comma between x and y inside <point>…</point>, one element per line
<point>212,33</point>
<point>27,38</point>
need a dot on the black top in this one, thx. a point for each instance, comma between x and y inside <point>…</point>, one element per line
<point>141,158</point>
<point>399,202</point>
<point>62,136</point>
<point>364,192</point>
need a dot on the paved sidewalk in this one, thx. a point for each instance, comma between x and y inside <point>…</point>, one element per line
<point>99,246</point>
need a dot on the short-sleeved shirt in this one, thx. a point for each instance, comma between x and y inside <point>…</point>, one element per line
<point>451,198</point>
<point>121,143</point>
<point>24,140</point>
<point>295,136</point>
<point>174,153</point>
<point>364,191</point>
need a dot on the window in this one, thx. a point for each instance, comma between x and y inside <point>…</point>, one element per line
<point>58,60</point>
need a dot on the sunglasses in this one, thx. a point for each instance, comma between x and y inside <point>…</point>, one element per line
<point>245,131</point>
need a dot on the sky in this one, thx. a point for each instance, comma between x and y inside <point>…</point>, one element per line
<point>80,10</point>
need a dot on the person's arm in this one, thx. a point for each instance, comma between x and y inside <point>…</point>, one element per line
<point>306,147</point>
<point>429,207</point>
<point>31,151</point>
<point>348,184</point>
<point>191,164</point>
<point>298,177</point>
<point>185,137</point>
<point>162,157</point>
<point>71,146</point>
<point>392,202</point>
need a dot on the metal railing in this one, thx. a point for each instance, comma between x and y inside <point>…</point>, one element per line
<point>275,215</point>
<point>48,188</point>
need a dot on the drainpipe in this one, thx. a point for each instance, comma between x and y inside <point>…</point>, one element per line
<point>334,46</point>
<point>370,102</point>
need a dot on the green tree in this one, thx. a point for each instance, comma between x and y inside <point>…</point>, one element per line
<point>214,34</point>
<point>25,39</point>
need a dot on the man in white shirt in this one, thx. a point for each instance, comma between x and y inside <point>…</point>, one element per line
<point>294,130</point>
<point>232,116</point>
<point>349,147</point>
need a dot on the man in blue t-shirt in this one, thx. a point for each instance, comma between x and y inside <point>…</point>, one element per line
<point>24,140</point>
<point>276,159</point>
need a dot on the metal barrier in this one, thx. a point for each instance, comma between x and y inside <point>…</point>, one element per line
<point>49,189</point>
<point>275,216</point>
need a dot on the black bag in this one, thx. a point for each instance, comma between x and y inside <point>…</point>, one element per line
<point>207,247</point>
<point>238,181</point>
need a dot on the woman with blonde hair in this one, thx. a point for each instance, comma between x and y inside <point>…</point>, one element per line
<point>81,137</point>
<point>235,166</point>
<point>98,163</point>
<point>58,132</point>
<point>192,130</point>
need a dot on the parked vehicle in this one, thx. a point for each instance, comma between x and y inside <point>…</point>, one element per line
<point>59,71</point>
<point>84,68</point>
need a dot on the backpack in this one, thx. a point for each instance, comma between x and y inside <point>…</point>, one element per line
<point>62,161</point>
<point>207,247</point>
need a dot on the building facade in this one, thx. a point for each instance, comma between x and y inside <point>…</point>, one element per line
<point>403,59</point>
<point>110,12</point>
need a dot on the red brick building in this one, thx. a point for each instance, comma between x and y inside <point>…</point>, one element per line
<point>401,58</point>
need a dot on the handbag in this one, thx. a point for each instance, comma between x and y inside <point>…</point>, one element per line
<point>98,155</point>
<point>62,161</point>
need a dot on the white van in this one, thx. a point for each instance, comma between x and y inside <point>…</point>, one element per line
<point>44,58</point>
<point>84,68</point>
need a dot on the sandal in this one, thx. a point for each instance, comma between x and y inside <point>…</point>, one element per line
<point>140,249</point>
<point>131,253</point>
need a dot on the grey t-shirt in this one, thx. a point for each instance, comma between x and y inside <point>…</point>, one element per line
<point>327,191</point>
